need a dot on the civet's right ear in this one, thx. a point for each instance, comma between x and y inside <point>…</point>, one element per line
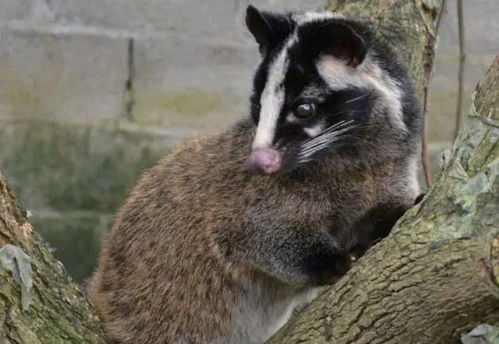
<point>267,28</point>
<point>336,39</point>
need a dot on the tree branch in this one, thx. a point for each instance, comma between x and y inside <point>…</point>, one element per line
<point>462,60</point>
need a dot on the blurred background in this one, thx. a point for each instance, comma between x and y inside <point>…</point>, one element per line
<point>93,92</point>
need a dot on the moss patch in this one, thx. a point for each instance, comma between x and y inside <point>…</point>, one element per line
<point>67,168</point>
<point>177,108</point>
<point>75,239</point>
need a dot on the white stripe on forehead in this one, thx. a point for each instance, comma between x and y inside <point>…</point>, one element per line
<point>272,98</point>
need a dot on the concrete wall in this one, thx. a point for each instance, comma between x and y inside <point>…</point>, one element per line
<point>92,92</point>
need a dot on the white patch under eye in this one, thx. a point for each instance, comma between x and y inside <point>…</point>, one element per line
<point>290,118</point>
<point>314,130</point>
<point>272,98</point>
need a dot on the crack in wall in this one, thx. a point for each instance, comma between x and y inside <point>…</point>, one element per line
<point>129,83</point>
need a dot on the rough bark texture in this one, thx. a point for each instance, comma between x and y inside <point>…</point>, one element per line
<point>38,302</point>
<point>436,276</point>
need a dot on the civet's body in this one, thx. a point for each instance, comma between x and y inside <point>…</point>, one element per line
<point>222,239</point>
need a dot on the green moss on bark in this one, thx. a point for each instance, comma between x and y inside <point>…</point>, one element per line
<point>59,312</point>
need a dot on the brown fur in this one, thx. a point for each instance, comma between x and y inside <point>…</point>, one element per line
<point>198,228</point>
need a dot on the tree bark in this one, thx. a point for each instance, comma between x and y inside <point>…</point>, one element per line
<point>437,275</point>
<point>38,302</point>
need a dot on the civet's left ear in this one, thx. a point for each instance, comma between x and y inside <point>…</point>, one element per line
<point>339,40</point>
<point>267,28</point>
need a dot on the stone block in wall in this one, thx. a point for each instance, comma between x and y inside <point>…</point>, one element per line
<point>179,84</point>
<point>61,77</point>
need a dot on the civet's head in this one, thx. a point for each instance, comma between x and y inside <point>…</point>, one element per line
<point>325,86</point>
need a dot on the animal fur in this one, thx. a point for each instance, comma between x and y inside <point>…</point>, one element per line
<point>205,252</point>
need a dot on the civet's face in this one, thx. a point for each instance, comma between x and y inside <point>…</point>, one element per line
<point>317,89</point>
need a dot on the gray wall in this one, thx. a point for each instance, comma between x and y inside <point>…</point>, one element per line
<point>70,60</point>
<point>92,92</point>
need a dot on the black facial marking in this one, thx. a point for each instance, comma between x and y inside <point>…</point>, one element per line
<point>353,116</point>
<point>268,29</point>
<point>334,37</point>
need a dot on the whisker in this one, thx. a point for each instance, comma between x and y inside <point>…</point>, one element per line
<point>330,132</point>
<point>337,131</point>
<point>307,157</point>
<point>322,142</point>
<point>333,127</point>
<point>356,99</point>
<point>337,125</point>
<point>350,112</point>
<point>326,138</point>
<point>316,147</point>
<point>330,129</point>
<point>319,140</point>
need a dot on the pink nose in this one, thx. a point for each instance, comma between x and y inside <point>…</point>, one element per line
<point>264,161</point>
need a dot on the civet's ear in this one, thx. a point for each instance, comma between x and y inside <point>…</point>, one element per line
<point>339,40</point>
<point>267,28</point>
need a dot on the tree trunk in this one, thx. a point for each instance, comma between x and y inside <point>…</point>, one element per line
<point>437,275</point>
<point>38,302</point>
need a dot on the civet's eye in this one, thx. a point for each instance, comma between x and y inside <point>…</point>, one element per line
<point>255,111</point>
<point>304,110</point>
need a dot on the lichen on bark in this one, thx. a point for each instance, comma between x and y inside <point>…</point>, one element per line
<point>54,310</point>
